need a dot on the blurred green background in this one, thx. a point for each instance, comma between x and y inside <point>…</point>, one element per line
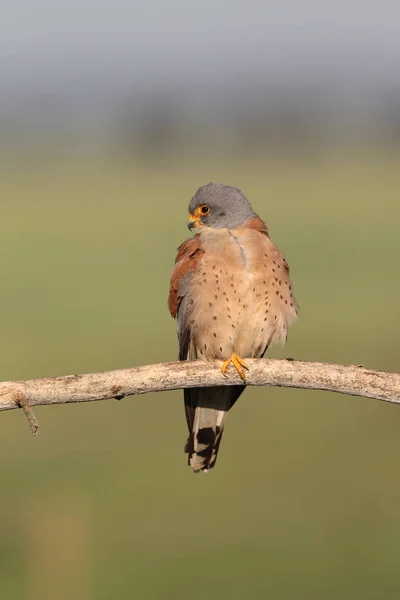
<point>304,500</point>
<point>111,116</point>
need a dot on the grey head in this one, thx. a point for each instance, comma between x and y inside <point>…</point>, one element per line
<point>219,206</point>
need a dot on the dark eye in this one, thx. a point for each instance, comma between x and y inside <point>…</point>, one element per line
<point>204,209</point>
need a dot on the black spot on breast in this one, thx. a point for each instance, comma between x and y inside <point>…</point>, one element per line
<point>210,304</point>
<point>214,318</point>
<point>215,335</point>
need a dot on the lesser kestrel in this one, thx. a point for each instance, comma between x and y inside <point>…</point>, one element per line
<point>232,296</point>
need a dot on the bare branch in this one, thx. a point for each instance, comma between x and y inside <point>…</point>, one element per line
<point>23,403</point>
<point>344,379</point>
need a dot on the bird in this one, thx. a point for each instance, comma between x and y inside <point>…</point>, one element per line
<point>231,295</point>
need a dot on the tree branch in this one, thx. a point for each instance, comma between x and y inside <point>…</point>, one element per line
<point>344,379</point>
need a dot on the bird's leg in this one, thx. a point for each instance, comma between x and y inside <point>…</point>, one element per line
<point>238,363</point>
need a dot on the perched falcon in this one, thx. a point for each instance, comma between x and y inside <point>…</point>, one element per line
<point>232,296</point>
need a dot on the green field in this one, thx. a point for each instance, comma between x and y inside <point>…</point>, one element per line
<point>304,501</point>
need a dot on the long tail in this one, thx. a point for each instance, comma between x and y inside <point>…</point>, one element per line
<point>206,412</point>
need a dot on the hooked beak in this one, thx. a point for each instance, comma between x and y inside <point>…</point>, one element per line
<point>193,222</point>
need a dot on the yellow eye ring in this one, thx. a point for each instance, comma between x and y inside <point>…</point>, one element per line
<point>204,210</point>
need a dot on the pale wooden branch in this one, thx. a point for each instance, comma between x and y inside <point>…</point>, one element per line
<point>344,379</point>
<point>21,401</point>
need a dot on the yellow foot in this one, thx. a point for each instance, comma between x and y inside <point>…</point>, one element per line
<point>238,363</point>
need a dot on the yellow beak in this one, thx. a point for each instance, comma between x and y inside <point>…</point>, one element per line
<point>193,221</point>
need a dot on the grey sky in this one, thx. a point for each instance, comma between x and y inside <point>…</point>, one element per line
<point>195,39</point>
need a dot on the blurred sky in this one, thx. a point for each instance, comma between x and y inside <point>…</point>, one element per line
<point>47,42</point>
